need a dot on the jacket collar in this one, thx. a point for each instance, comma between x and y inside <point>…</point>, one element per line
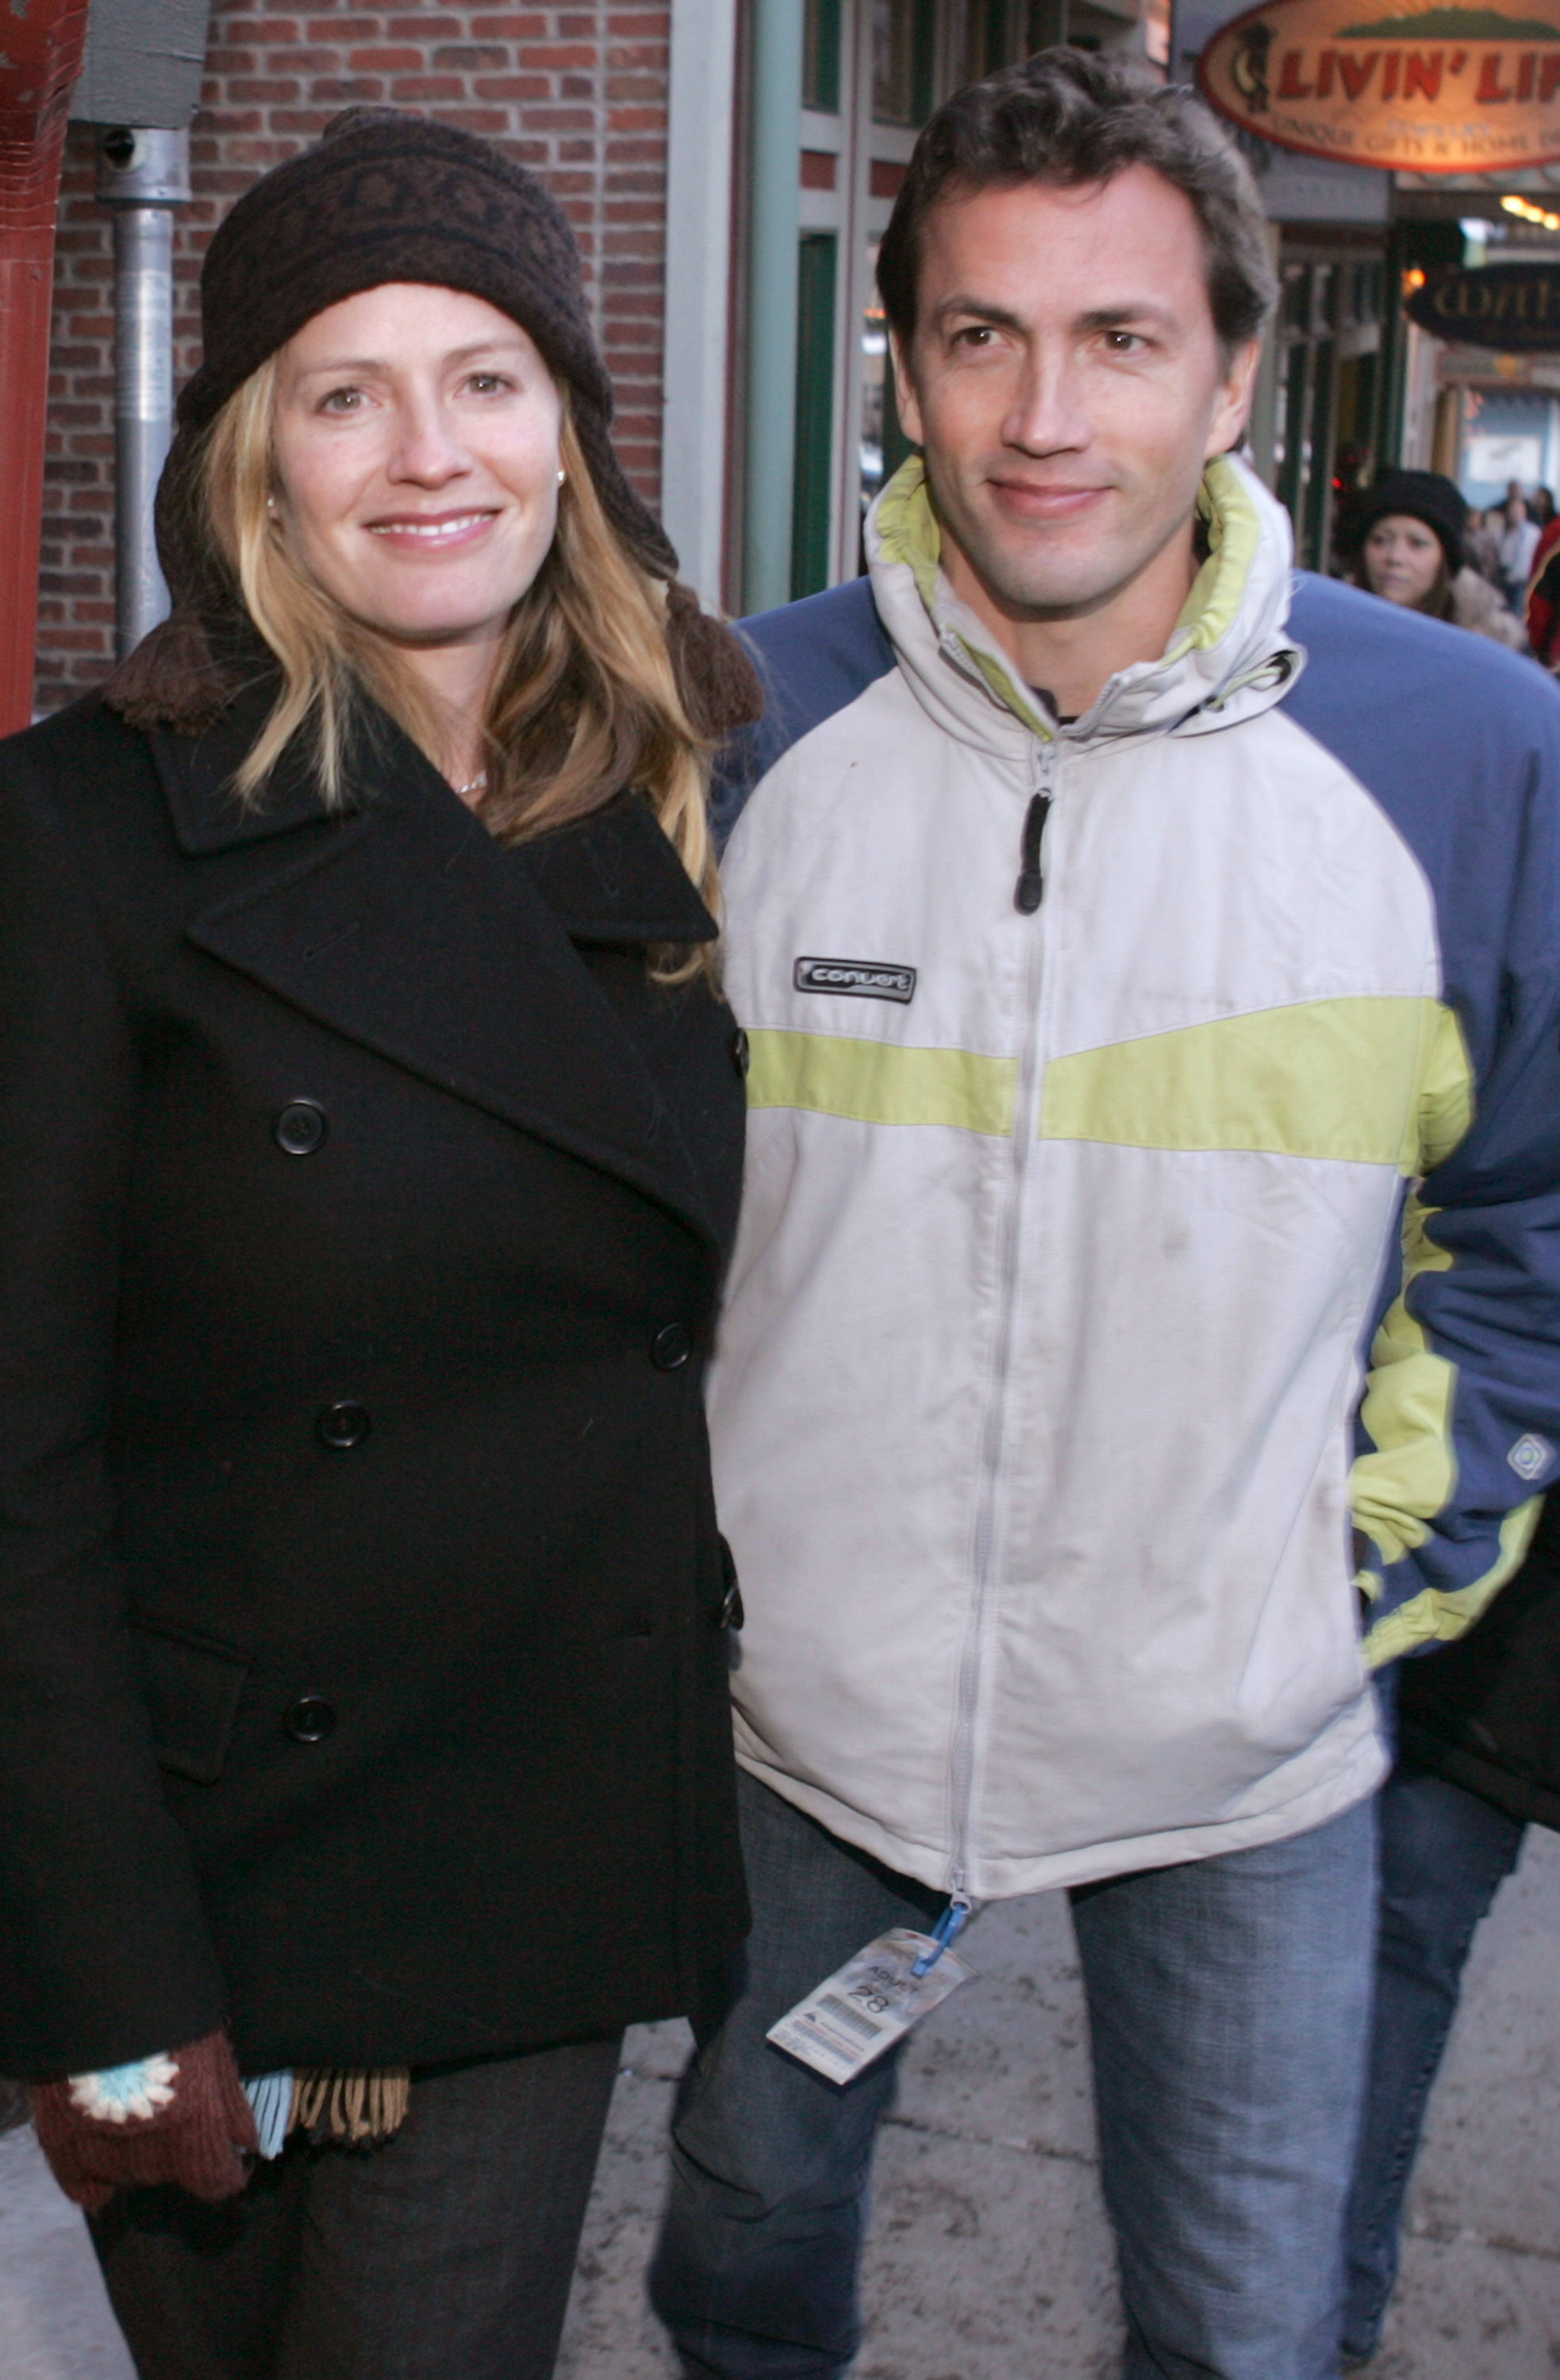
<point>1227,655</point>
<point>402,925</point>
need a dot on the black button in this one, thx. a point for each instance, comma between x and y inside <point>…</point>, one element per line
<point>670,1348</point>
<point>310,1719</point>
<point>343,1426</point>
<point>741,1056</point>
<point>300,1128</point>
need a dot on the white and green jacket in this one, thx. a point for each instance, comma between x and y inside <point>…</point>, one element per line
<point>1075,1210</point>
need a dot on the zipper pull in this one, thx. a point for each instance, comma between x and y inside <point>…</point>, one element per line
<point>948,1928</point>
<point>1031,883</point>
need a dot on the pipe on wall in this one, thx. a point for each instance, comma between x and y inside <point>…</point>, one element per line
<point>698,171</point>
<point>773,224</point>
<point>144,174</point>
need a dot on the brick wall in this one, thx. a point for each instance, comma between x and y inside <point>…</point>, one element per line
<point>579,94</point>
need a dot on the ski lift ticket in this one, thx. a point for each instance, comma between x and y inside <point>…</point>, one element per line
<point>867,2005</point>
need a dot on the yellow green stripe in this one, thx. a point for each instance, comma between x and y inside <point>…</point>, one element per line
<point>878,1082</point>
<point>1343,1079</point>
<point>907,526</point>
<point>1396,1490</point>
<point>1440,1616</point>
<point>1235,531</point>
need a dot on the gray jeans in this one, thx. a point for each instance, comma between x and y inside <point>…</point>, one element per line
<point>446,2254</point>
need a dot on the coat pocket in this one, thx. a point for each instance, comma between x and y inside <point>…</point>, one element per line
<point>192,1686</point>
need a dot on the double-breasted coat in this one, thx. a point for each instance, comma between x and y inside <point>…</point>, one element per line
<point>363,1621</point>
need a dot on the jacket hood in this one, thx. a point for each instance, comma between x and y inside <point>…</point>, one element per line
<point>1227,657</point>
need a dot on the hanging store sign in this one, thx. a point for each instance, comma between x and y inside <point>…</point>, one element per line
<point>1424,91</point>
<point>1515,308</point>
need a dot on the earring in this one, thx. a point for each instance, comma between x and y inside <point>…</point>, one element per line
<point>562,476</point>
<point>270,503</point>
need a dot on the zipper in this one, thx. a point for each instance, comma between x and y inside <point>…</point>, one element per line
<point>948,1928</point>
<point>1030,891</point>
<point>1031,882</point>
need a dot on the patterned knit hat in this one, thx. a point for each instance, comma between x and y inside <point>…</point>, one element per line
<point>388,196</point>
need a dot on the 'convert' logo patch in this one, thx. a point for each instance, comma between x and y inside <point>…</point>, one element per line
<point>857,978</point>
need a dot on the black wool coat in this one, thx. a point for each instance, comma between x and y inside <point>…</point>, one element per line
<point>362,1615</point>
<point>1485,1713</point>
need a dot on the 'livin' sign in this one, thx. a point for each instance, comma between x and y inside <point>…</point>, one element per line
<point>1427,91</point>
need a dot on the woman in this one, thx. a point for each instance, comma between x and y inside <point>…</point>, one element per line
<point>372,1140</point>
<point>1412,554</point>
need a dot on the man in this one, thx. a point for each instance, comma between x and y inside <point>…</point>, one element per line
<point>1114,936</point>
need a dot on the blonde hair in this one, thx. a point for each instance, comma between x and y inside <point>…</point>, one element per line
<point>584,700</point>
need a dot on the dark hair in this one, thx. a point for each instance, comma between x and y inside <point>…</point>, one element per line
<point>1068,117</point>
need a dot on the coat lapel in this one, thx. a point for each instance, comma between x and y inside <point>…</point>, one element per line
<point>403,925</point>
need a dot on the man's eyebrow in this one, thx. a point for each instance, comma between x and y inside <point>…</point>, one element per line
<point>1098,318</point>
<point>980,308</point>
<point>1122,318</point>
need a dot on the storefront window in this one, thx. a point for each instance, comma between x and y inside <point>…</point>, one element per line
<point>817,265</point>
<point>904,52</point>
<point>820,57</point>
<point>985,39</point>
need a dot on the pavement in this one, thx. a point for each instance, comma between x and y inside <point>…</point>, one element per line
<point>989,2255</point>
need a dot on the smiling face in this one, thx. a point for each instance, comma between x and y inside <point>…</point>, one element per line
<point>416,441</point>
<point>1067,386</point>
<point>1403,559</point>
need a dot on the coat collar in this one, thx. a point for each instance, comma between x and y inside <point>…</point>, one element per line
<point>400,923</point>
<point>611,878</point>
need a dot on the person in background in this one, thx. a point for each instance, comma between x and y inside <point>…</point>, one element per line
<point>370,1130</point>
<point>1478,1761</point>
<point>1411,552</point>
<point>1541,506</point>
<point>1481,545</point>
<point>1543,597</point>
<point>1119,922</point>
<point>1519,539</point>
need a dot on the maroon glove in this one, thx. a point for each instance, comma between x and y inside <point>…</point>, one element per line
<point>182,2118</point>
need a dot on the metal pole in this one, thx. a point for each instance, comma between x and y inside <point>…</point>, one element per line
<point>771,303</point>
<point>699,174</point>
<point>142,175</point>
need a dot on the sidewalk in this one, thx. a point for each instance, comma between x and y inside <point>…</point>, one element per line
<point>988,2257</point>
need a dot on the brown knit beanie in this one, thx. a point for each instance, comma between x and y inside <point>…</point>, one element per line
<point>388,196</point>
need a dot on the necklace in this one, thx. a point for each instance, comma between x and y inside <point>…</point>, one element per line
<point>475,787</point>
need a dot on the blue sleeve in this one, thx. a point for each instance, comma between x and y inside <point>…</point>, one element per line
<point>813,658</point>
<point>1459,741</point>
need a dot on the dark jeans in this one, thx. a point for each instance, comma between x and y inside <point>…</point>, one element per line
<point>1445,1854</point>
<point>444,2254</point>
<point>1228,2003</point>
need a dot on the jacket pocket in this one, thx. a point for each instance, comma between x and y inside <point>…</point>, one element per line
<point>192,1686</point>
